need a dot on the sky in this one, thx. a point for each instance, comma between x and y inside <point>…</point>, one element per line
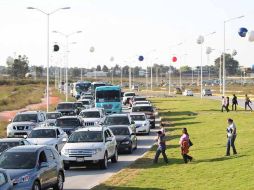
<point>125,29</point>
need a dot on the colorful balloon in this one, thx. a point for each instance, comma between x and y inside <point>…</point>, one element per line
<point>208,50</point>
<point>174,59</point>
<point>242,32</point>
<point>251,36</point>
<point>91,49</point>
<point>140,58</point>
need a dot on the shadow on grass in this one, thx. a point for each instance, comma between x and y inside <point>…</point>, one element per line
<point>219,159</point>
<point>185,123</point>
<point>175,113</point>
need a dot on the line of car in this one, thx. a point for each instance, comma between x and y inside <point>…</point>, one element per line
<point>41,146</point>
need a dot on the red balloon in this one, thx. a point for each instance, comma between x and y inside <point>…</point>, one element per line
<point>174,59</point>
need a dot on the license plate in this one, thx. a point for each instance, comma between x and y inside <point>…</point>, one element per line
<point>80,159</point>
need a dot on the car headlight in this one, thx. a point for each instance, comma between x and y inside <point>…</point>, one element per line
<point>21,179</point>
<point>65,152</point>
<point>125,142</point>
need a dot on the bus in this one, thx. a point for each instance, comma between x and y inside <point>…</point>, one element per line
<point>109,98</point>
<point>80,87</point>
<point>94,85</point>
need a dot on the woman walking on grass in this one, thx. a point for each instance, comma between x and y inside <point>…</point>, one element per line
<point>185,145</point>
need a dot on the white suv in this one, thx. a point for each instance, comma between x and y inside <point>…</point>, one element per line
<point>92,117</point>
<point>90,145</point>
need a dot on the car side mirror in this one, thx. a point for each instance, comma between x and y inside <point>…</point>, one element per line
<point>132,122</point>
<point>44,165</point>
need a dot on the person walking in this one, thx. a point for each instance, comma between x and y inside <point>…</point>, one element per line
<point>247,102</point>
<point>234,102</point>
<point>161,147</point>
<point>227,104</point>
<point>185,145</point>
<point>223,103</point>
<point>231,136</point>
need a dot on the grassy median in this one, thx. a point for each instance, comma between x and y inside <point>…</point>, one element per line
<point>210,169</point>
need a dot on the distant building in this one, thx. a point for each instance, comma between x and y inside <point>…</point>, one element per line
<point>142,73</point>
<point>96,73</point>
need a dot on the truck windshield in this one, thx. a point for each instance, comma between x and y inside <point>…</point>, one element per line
<point>142,109</point>
<point>25,117</point>
<point>65,106</point>
<point>67,122</point>
<point>80,87</point>
<point>108,96</point>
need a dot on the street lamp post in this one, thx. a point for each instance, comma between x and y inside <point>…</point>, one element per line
<point>67,58</point>
<point>48,14</point>
<point>224,52</point>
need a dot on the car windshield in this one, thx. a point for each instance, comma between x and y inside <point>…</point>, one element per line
<point>5,145</point>
<point>86,136</point>
<point>53,115</point>
<point>82,87</point>
<point>120,131</point>
<point>78,104</point>
<point>88,97</point>
<point>138,117</point>
<point>43,133</point>
<point>129,94</point>
<point>119,120</point>
<point>18,160</point>
<point>141,102</point>
<point>25,117</point>
<point>90,114</point>
<point>139,99</point>
<point>67,122</point>
<point>85,102</point>
<point>108,96</point>
<point>142,109</point>
<point>65,106</point>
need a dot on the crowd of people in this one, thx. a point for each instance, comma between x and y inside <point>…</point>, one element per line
<point>225,102</point>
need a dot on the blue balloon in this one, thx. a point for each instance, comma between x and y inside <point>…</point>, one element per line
<point>140,58</point>
<point>242,32</point>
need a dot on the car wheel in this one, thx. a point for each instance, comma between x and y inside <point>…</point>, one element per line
<point>130,149</point>
<point>66,166</point>
<point>60,182</point>
<point>36,186</point>
<point>114,159</point>
<point>104,162</point>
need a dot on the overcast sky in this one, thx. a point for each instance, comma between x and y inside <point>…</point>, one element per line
<point>125,29</point>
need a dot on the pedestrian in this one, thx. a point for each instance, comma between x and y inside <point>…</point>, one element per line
<point>231,136</point>
<point>222,103</point>
<point>185,145</point>
<point>163,129</point>
<point>227,104</point>
<point>161,147</point>
<point>234,102</point>
<point>247,102</point>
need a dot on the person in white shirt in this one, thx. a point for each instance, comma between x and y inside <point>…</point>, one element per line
<point>231,136</point>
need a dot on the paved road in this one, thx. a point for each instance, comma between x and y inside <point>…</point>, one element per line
<point>86,178</point>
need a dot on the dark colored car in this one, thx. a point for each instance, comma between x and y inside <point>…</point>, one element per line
<point>125,138</point>
<point>5,180</point>
<point>69,123</point>
<point>67,108</point>
<point>7,143</point>
<point>79,107</point>
<point>33,167</point>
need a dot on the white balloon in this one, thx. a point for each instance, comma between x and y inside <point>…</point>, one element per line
<point>92,49</point>
<point>251,36</point>
<point>208,50</point>
<point>200,39</point>
<point>111,58</point>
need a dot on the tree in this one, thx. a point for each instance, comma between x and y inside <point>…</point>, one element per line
<point>105,68</point>
<point>38,71</point>
<point>98,68</point>
<point>76,72</point>
<point>232,65</point>
<point>18,67</point>
<point>185,69</point>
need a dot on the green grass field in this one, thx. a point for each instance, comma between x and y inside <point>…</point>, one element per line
<point>210,169</point>
<point>16,97</point>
